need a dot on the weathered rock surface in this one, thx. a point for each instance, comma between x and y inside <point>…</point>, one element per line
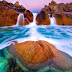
<point>28,15</point>
<point>8,17</point>
<point>54,9</point>
<point>38,54</point>
<point>58,9</point>
<point>9,13</point>
<point>63,18</point>
<point>21,21</point>
<point>42,18</point>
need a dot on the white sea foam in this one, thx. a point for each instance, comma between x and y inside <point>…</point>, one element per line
<point>52,21</point>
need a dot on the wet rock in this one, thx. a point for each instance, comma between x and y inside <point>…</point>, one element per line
<point>21,21</point>
<point>20,9</point>
<point>8,17</point>
<point>28,15</point>
<point>47,9</point>
<point>37,54</point>
<point>42,18</point>
<point>26,21</point>
<point>9,13</point>
<point>34,54</point>
<point>63,18</point>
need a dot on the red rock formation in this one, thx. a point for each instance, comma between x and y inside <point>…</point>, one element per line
<point>28,15</point>
<point>63,19</point>
<point>42,18</point>
<point>26,22</point>
<point>9,13</point>
<point>38,54</point>
<point>8,17</point>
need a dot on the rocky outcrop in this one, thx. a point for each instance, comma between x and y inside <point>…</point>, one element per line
<point>28,15</point>
<point>8,17</point>
<point>9,13</point>
<point>60,7</point>
<point>38,54</point>
<point>63,18</point>
<point>42,18</point>
<point>52,5</point>
<point>62,12</point>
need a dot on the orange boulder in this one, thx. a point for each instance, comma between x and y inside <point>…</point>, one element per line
<point>42,18</point>
<point>63,18</point>
<point>8,17</point>
<point>38,54</point>
<point>28,15</point>
<point>34,54</point>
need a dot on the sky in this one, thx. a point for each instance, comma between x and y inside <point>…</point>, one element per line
<point>36,5</point>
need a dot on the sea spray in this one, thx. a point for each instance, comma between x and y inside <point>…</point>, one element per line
<point>20,20</point>
<point>52,21</point>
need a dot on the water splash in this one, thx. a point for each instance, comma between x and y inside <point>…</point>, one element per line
<point>20,20</point>
<point>52,21</point>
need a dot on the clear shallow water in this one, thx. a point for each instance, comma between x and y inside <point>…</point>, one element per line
<point>59,36</point>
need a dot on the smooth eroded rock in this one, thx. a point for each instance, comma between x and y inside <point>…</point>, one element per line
<point>8,17</point>
<point>28,15</point>
<point>38,54</point>
<point>63,19</point>
<point>42,18</point>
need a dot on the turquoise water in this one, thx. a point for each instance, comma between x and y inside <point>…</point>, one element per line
<point>60,36</point>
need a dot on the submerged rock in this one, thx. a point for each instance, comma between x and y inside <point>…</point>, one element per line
<point>38,54</point>
<point>42,18</point>
<point>3,64</point>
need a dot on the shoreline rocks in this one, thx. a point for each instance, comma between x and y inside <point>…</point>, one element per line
<point>42,18</point>
<point>28,15</point>
<point>8,17</point>
<point>9,14</point>
<point>63,18</point>
<point>38,54</point>
<point>56,10</point>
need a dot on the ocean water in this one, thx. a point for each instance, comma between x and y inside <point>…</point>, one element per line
<point>59,36</point>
